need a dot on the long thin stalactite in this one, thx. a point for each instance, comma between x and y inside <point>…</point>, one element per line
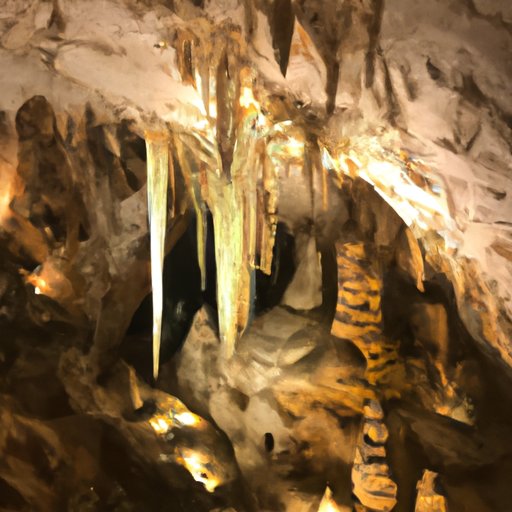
<point>157,146</point>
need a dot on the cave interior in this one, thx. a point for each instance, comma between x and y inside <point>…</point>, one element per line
<point>255,256</point>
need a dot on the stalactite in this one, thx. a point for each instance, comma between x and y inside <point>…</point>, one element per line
<point>172,187</point>
<point>268,213</point>
<point>201,226</point>
<point>234,206</point>
<point>325,191</point>
<point>193,176</point>
<point>157,145</point>
<point>228,170</point>
<point>308,170</point>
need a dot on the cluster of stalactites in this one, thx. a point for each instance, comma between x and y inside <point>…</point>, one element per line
<point>231,161</point>
<point>228,172</point>
<point>222,154</point>
<point>232,156</point>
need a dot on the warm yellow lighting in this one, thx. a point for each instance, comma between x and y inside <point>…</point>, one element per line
<point>419,206</point>
<point>39,284</point>
<point>213,109</point>
<point>294,147</point>
<point>5,199</point>
<point>7,191</point>
<point>196,464</point>
<point>201,124</point>
<point>247,99</point>
<point>187,418</point>
<point>328,504</point>
<point>159,425</point>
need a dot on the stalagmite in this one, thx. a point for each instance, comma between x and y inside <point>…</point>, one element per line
<point>157,145</point>
<point>328,504</point>
<point>429,499</point>
<point>305,290</point>
<point>359,318</point>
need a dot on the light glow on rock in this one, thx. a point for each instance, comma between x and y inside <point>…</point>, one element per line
<point>247,99</point>
<point>196,464</point>
<point>328,504</point>
<point>418,199</point>
<point>187,418</point>
<point>5,199</point>
<point>159,425</point>
<point>40,285</point>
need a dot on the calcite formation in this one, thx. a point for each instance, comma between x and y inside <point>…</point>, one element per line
<point>344,169</point>
<point>158,178</point>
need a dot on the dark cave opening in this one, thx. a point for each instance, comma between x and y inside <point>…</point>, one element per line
<point>270,288</point>
<point>183,295</point>
<point>182,298</point>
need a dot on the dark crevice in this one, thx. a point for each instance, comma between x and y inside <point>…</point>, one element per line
<point>331,89</point>
<point>57,18</point>
<point>447,144</point>
<point>268,442</point>
<point>373,34</point>
<point>472,92</point>
<point>434,72</point>
<point>10,497</point>
<point>370,442</point>
<point>132,156</point>
<point>499,195</point>
<point>394,108</point>
<point>471,141</point>
<point>182,299</point>
<point>270,289</point>
<point>187,56</point>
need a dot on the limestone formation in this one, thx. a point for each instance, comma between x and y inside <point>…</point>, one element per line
<point>255,255</point>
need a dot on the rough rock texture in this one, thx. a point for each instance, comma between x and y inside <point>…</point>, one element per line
<point>298,408</point>
<point>70,444</point>
<point>290,401</point>
<point>383,123</point>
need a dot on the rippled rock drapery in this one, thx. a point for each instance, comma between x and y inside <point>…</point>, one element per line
<point>266,105</point>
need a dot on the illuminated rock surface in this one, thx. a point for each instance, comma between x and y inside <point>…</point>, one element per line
<point>428,497</point>
<point>335,299</point>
